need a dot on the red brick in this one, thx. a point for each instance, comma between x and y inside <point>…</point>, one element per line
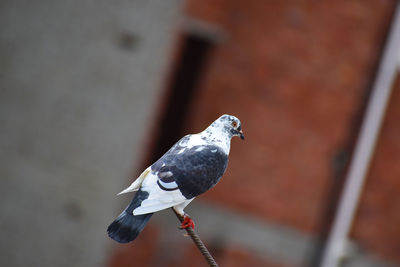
<point>295,73</point>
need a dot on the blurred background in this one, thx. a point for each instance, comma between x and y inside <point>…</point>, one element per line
<point>92,92</point>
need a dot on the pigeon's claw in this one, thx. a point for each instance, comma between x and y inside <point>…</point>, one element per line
<point>187,222</point>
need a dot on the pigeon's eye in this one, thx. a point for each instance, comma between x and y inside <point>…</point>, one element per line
<point>234,124</point>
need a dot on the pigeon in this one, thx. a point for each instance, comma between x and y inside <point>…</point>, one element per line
<point>189,168</point>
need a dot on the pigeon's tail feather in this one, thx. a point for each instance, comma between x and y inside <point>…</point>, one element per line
<point>127,226</point>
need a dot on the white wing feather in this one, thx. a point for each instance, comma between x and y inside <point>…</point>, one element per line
<point>158,199</point>
<point>136,184</point>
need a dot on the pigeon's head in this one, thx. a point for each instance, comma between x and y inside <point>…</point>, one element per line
<point>230,124</point>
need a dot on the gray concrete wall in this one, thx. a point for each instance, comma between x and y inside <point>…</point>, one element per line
<point>78,84</point>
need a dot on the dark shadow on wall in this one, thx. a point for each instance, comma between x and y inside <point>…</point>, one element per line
<point>189,67</point>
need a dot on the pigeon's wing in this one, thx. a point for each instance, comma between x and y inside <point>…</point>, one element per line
<point>180,175</point>
<point>198,169</point>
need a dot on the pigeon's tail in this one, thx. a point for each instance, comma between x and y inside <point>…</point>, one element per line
<point>127,226</point>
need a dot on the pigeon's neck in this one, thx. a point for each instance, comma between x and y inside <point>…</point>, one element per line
<point>217,135</point>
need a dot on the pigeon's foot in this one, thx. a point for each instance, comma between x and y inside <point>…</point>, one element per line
<point>187,222</point>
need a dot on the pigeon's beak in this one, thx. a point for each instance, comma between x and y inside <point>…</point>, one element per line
<point>241,134</point>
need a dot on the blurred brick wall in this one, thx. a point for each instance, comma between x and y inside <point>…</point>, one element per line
<point>297,74</point>
<point>145,251</point>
